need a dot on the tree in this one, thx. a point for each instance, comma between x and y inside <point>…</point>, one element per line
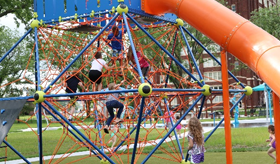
<point>13,66</point>
<point>268,19</point>
<point>22,9</point>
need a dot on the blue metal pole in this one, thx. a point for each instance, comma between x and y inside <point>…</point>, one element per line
<point>201,107</point>
<point>223,119</point>
<point>39,131</point>
<point>236,122</point>
<point>93,93</point>
<point>155,41</point>
<point>15,45</point>
<point>83,50</point>
<point>176,136</point>
<point>138,130</point>
<point>38,106</point>
<point>269,103</point>
<point>209,53</point>
<point>133,48</point>
<point>37,62</point>
<point>16,98</point>
<point>191,54</point>
<point>75,129</point>
<point>71,132</point>
<point>18,153</point>
<point>170,130</point>
<point>176,90</point>
<point>126,91</point>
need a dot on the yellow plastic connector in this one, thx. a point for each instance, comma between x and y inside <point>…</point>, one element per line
<point>122,8</point>
<point>39,96</point>
<point>145,89</point>
<point>249,90</point>
<point>113,10</point>
<point>91,14</point>
<point>179,22</point>
<point>207,90</point>
<point>35,23</point>
<point>35,15</point>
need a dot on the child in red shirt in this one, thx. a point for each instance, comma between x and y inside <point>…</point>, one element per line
<point>143,63</point>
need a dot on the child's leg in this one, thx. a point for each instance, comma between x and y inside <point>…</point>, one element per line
<point>100,86</point>
<point>111,112</point>
<point>72,110</point>
<point>72,107</point>
<point>114,141</point>
<point>178,131</point>
<point>270,151</point>
<point>145,71</point>
<point>120,106</point>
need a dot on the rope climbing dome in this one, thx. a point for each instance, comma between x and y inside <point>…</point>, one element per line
<point>65,46</point>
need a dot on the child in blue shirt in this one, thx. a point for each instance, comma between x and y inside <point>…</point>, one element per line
<point>116,40</point>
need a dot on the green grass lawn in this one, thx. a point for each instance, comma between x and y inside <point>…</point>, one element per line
<point>246,142</point>
<point>210,158</point>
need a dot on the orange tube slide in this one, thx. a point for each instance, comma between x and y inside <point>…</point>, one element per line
<point>249,43</point>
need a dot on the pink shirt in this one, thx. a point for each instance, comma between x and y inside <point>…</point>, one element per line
<point>167,119</point>
<point>143,63</point>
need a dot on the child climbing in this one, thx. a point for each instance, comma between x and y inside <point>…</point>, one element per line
<point>116,40</point>
<point>111,103</point>
<point>95,73</point>
<point>114,135</point>
<point>178,127</point>
<point>272,142</point>
<point>144,65</point>
<point>72,82</point>
<point>196,141</point>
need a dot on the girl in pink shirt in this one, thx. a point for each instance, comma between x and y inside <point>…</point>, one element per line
<point>143,63</point>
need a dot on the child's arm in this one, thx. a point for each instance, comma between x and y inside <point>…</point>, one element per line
<point>190,144</point>
<point>108,67</point>
<point>268,140</point>
<point>117,86</point>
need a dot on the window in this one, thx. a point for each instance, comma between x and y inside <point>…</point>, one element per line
<point>216,87</point>
<point>209,62</point>
<point>174,102</point>
<point>249,83</point>
<point>210,76</point>
<point>236,64</point>
<point>218,99</point>
<point>196,76</point>
<point>233,7</point>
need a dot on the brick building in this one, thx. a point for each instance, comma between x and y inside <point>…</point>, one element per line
<point>243,73</point>
<point>212,72</point>
<point>245,7</point>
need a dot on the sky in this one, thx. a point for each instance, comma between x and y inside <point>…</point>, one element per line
<point>9,22</point>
